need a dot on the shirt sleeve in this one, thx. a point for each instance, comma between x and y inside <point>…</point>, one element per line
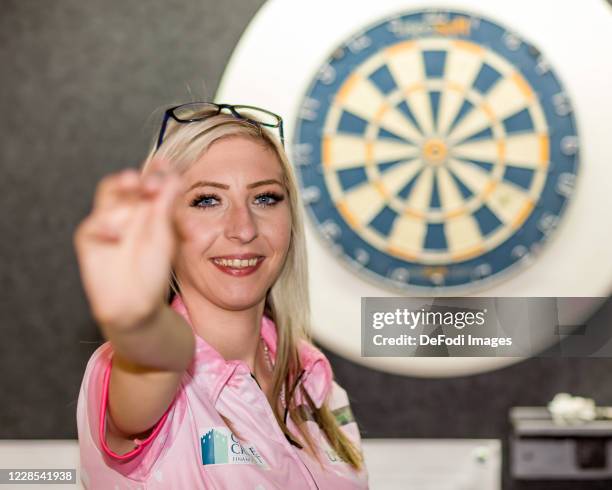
<point>92,416</point>
<point>341,408</point>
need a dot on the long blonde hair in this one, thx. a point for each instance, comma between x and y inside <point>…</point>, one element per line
<point>287,301</point>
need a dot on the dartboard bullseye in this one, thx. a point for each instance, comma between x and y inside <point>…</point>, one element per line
<point>435,150</point>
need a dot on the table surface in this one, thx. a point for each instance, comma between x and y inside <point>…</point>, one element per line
<point>537,421</point>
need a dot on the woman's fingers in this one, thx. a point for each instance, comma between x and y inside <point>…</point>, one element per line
<point>128,184</point>
<point>158,219</point>
<point>126,244</point>
<point>113,188</point>
<point>170,201</point>
<point>147,201</point>
<point>117,195</point>
<point>159,165</point>
<point>93,228</point>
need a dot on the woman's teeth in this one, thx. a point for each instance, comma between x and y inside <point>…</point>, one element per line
<point>237,263</point>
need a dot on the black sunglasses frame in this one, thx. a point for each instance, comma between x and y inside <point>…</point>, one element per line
<point>219,107</point>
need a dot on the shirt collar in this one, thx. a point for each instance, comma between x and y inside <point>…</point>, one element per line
<point>317,378</point>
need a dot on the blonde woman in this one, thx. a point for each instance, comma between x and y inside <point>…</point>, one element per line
<point>196,273</point>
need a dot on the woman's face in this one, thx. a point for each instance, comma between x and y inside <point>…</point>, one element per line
<point>237,211</point>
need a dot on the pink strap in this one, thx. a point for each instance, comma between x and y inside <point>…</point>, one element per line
<point>140,444</point>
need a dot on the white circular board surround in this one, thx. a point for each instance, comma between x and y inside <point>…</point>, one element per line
<point>285,45</point>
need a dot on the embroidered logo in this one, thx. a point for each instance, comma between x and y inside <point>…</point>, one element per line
<point>332,455</point>
<point>220,446</point>
<point>344,415</point>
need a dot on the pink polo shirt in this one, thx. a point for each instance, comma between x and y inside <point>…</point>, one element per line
<point>191,447</point>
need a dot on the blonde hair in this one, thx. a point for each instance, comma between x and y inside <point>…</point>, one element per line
<point>287,301</point>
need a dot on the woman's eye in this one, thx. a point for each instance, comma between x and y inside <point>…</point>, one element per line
<point>268,199</point>
<point>205,201</point>
<point>212,200</point>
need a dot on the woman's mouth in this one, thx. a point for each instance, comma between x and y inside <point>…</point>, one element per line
<point>238,267</point>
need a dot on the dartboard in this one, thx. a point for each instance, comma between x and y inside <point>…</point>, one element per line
<point>435,149</point>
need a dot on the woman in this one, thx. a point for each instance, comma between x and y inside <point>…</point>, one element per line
<point>213,381</point>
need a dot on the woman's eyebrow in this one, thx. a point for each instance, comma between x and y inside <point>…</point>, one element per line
<point>264,182</point>
<point>204,183</point>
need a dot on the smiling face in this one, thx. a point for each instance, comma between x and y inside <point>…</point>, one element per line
<point>237,211</point>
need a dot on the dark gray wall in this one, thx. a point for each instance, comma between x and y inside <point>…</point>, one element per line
<point>80,83</point>
<point>80,92</point>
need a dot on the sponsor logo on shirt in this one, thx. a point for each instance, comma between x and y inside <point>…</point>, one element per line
<point>332,456</point>
<point>220,446</point>
<point>343,416</point>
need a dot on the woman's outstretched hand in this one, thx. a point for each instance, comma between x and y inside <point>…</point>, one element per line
<point>126,245</point>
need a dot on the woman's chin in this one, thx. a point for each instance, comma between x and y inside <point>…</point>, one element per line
<point>239,300</point>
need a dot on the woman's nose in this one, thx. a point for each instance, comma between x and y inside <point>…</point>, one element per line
<point>241,224</point>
